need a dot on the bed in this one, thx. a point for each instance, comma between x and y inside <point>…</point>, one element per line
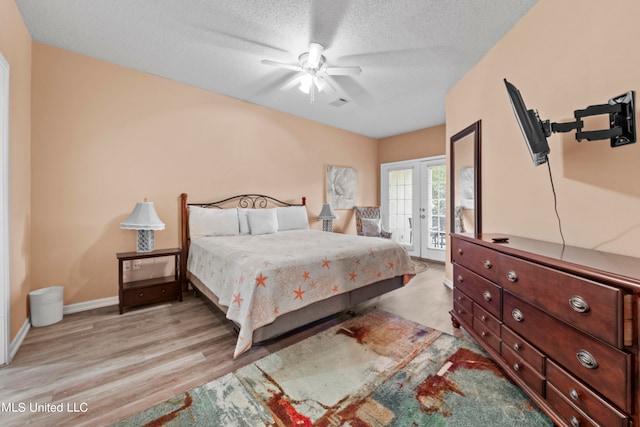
<point>256,258</point>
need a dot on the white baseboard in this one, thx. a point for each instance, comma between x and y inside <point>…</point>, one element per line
<point>89,305</point>
<point>448,283</point>
<point>17,342</point>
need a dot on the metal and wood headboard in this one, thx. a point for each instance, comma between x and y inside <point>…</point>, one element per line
<point>248,201</point>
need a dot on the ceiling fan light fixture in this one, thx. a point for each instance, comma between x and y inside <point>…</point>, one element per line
<point>305,83</point>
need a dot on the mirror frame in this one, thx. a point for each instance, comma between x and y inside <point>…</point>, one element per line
<point>474,129</point>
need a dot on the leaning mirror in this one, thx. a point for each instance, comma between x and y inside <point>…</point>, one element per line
<point>465,181</point>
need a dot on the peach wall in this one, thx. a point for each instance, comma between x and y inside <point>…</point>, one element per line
<point>106,137</point>
<point>562,58</point>
<point>427,142</point>
<point>15,45</point>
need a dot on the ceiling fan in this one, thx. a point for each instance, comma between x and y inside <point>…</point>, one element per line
<point>312,69</point>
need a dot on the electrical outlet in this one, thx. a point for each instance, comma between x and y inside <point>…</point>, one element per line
<point>137,263</point>
<point>126,265</point>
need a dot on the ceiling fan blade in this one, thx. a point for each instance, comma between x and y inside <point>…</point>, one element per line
<point>281,65</point>
<point>323,85</point>
<point>343,71</point>
<point>292,83</point>
<point>315,52</point>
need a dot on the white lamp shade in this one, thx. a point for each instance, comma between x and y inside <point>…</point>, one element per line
<point>327,212</point>
<point>143,217</point>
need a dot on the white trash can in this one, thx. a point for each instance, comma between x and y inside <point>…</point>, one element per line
<point>46,305</point>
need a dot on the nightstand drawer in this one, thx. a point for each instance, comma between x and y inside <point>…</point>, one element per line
<point>139,295</point>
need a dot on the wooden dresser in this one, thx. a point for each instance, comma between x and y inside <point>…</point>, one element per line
<point>563,322</point>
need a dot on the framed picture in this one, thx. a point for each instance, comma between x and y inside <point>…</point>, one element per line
<point>341,187</point>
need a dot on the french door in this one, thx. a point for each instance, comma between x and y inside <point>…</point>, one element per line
<point>413,205</point>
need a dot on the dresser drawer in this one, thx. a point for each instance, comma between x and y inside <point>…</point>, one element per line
<point>525,350</point>
<point>522,370</point>
<point>485,293</point>
<point>594,362</point>
<point>483,317</point>
<point>486,334</point>
<point>463,299</point>
<point>463,314</point>
<point>476,258</point>
<point>579,397</point>
<point>590,306</point>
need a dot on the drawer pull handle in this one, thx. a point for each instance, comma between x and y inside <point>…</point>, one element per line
<point>484,334</point>
<point>516,347</point>
<point>484,318</point>
<point>517,315</point>
<point>579,304</point>
<point>574,394</point>
<point>486,295</point>
<point>460,252</point>
<point>512,276</point>
<point>141,294</point>
<point>164,291</point>
<point>516,367</point>
<point>487,264</point>
<point>460,279</point>
<point>586,359</point>
<point>575,422</point>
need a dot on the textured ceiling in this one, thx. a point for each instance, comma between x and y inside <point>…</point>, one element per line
<point>411,51</point>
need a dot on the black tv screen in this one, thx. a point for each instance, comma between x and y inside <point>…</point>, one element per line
<point>531,126</point>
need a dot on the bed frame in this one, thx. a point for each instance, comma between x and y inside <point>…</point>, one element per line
<point>289,321</point>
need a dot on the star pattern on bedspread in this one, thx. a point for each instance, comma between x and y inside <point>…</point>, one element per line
<point>237,299</point>
<point>325,263</point>
<point>352,276</point>
<point>299,292</point>
<point>260,280</point>
<point>306,276</point>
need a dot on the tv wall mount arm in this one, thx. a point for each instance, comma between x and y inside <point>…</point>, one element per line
<point>622,122</point>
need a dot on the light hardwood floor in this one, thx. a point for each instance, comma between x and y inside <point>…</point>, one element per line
<point>99,366</point>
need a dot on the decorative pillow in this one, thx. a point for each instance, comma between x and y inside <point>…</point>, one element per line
<point>371,227</point>
<point>262,221</point>
<point>244,221</point>
<point>292,218</point>
<point>213,222</point>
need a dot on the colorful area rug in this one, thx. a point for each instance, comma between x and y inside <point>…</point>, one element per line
<point>375,369</point>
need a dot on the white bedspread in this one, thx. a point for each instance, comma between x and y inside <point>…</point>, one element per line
<point>262,277</point>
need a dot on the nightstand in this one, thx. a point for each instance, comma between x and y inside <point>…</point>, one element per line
<point>148,291</point>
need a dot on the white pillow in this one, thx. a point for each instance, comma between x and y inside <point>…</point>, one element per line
<point>371,227</point>
<point>213,222</point>
<point>292,218</point>
<point>244,221</point>
<point>262,221</point>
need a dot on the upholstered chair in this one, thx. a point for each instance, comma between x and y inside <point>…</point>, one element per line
<point>369,222</point>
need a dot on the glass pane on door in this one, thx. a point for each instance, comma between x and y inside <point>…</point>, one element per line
<point>437,206</point>
<point>401,204</point>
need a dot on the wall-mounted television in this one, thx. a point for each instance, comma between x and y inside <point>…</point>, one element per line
<point>622,123</point>
<point>531,126</point>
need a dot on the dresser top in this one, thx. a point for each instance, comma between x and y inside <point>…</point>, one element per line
<point>619,269</point>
